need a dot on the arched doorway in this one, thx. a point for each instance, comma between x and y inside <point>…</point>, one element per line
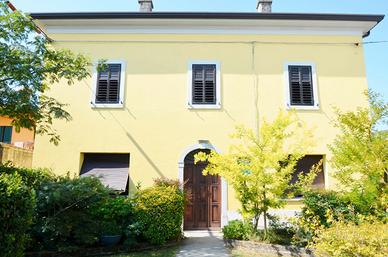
<point>203,208</point>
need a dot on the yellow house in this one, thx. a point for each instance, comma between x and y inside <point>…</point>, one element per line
<point>180,82</point>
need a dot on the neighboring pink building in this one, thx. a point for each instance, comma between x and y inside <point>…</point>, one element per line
<point>8,135</point>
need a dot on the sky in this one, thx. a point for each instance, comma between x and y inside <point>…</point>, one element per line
<point>376,55</point>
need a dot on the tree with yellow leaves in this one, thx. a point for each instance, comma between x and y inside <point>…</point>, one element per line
<point>260,166</point>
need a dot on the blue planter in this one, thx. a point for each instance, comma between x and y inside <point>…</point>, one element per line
<point>110,240</point>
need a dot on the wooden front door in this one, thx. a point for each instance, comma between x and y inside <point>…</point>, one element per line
<point>203,208</point>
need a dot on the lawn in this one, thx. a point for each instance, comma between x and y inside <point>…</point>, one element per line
<point>168,252</point>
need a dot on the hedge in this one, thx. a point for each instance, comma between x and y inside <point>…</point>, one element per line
<point>40,211</point>
<point>65,213</point>
<point>17,203</point>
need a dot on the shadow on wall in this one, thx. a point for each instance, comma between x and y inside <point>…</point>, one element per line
<point>132,187</point>
<point>139,148</point>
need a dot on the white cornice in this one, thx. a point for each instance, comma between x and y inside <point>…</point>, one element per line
<point>195,26</point>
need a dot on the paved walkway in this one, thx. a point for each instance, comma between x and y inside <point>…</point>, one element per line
<point>203,243</point>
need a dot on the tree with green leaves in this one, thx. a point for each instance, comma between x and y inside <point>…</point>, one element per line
<point>360,155</point>
<point>29,64</point>
<point>260,166</point>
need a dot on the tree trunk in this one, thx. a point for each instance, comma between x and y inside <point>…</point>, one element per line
<point>256,224</point>
<point>265,215</point>
<point>265,225</point>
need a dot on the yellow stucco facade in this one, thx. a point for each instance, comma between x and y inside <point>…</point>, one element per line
<point>157,127</point>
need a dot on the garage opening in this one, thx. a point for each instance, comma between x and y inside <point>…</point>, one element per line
<point>111,168</point>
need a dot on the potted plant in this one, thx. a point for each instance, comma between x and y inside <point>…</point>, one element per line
<point>111,233</point>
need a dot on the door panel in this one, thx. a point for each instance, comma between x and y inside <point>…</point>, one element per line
<point>188,188</point>
<point>203,208</point>
<point>215,201</point>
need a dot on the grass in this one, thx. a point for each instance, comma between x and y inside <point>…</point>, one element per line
<point>167,252</point>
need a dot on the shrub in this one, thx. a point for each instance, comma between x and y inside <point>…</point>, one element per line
<point>167,182</point>
<point>65,214</point>
<point>348,239</point>
<point>117,212</point>
<point>31,177</point>
<point>132,233</point>
<point>236,229</point>
<point>320,209</point>
<point>159,211</point>
<point>17,202</point>
<point>277,233</point>
<point>318,203</point>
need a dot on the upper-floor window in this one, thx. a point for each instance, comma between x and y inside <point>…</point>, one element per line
<point>204,85</point>
<point>109,87</point>
<point>5,134</point>
<point>301,86</point>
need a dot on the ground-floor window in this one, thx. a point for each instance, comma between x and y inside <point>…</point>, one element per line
<point>304,166</point>
<point>111,168</point>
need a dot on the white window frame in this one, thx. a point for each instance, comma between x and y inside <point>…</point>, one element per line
<point>316,105</point>
<point>190,104</point>
<point>122,86</point>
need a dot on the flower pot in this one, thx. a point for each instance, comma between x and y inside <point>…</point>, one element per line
<point>110,240</point>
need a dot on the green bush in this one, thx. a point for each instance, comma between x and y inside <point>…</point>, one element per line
<point>31,177</point>
<point>159,211</point>
<point>320,209</point>
<point>236,229</point>
<point>132,234</point>
<point>17,202</point>
<point>116,212</point>
<point>65,213</point>
<point>277,233</point>
<point>318,203</point>
<point>351,240</point>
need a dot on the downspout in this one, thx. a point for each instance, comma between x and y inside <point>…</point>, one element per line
<point>255,88</point>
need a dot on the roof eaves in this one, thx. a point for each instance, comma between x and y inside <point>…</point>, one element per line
<point>207,15</point>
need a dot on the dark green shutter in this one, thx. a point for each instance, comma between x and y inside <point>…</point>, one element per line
<point>6,134</point>
<point>108,85</point>
<point>204,84</point>
<point>301,85</point>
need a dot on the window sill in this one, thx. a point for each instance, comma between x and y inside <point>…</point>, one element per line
<point>302,107</point>
<point>204,106</point>
<point>106,106</point>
